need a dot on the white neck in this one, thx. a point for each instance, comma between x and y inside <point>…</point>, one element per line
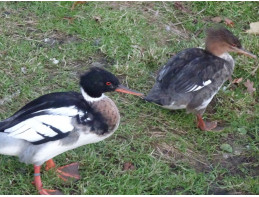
<point>89,98</point>
<point>228,57</point>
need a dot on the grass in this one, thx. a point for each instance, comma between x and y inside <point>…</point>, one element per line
<point>132,40</point>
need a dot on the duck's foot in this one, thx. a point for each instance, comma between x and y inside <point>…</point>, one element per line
<point>50,192</point>
<point>65,172</point>
<point>208,126</point>
<point>204,125</point>
<point>218,128</point>
<point>69,172</point>
<point>38,184</point>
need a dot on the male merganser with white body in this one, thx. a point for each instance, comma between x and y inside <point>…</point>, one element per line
<point>58,122</point>
<point>191,78</point>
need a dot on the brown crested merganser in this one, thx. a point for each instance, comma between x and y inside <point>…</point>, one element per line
<point>191,78</point>
<point>57,122</point>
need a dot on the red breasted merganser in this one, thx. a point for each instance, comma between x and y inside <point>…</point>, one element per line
<point>191,78</point>
<point>58,122</point>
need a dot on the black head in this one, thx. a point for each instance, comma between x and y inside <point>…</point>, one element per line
<point>97,81</point>
<point>220,40</point>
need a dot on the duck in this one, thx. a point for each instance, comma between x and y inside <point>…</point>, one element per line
<point>192,77</point>
<point>58,122</point>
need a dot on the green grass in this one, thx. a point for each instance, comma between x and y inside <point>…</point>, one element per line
<point>170,155</point>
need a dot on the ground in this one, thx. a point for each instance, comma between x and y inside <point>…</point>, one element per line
<point>46,46</point>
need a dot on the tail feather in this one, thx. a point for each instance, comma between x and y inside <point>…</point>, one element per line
<point>154,95</point>
<point>152,100</point>
<point>3,125</point>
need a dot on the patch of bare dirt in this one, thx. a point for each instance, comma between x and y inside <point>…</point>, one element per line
<point>172,154</point>
<point>237,162</point>
<point>99,59</point>
<point>218,191</point>
<point>155,14</point>
<point>116,5</point>
<point>29,25</point>
<point>56,37</point>
<point>238,165</point>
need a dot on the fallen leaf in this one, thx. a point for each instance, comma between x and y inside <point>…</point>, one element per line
<point>226,147</point>
<point>97,18</point>
<point>179,6</point>
<point>242,131</point>
<point>229,22</point>
<point>195,21</point>
<point>249,85</point>
<point>237,80</point>
<point>76,3</point>
<point>70,19</point>
<point>216,19</point>
<point>128,166</point>
<point>254,28</point>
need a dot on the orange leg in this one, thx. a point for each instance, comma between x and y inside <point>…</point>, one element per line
<point>38,184</point>
<point>205,126</point>
<point>50,164</point>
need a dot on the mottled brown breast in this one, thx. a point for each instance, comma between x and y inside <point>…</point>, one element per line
<point>109,111</point>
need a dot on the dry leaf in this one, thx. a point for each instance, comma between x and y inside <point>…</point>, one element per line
<point>70,19</point>
<point>76,3</point>
<point>179,6</point>
<point>249,85</point>
<point>97,18</point>
<point>229,22</point>
<point>237,80</point>
<point>216,19</point>
<point>128,166</point>
<point>254,28</point>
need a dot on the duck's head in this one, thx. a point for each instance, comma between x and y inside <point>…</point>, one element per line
<point>219,40</point>
<point>97,81</point>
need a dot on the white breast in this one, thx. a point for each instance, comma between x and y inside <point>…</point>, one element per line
<point>173,106</point>
<point>229,59</point>
<point>54,148</point>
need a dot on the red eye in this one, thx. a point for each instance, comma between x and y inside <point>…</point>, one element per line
<point>108,83</point>
<point>234,45</point>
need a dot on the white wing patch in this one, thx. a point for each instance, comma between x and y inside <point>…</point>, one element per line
<point>207,82</point>
<point>63,123</point>
<point>64,111</point>
<point>36,128</point>
<point>196,87</point>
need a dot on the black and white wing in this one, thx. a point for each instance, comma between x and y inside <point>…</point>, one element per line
<point>45,125</point>
<point>50,118</point>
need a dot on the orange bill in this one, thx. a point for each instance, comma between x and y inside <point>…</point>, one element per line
<point>126,90</point>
